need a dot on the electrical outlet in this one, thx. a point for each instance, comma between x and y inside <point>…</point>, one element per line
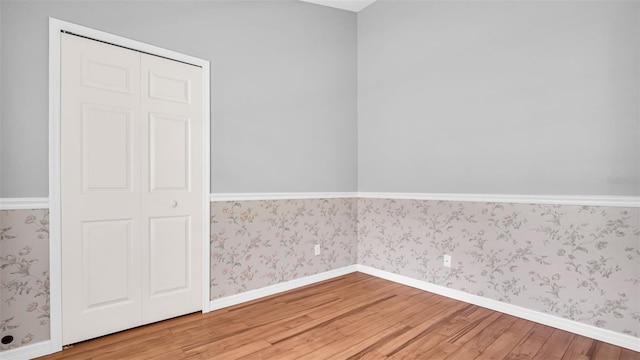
<point>447,260</point>
<point>316,249</point>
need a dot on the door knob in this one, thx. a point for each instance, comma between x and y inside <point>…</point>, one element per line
<point>173,203</point>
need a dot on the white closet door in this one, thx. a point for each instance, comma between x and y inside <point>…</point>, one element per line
<point>100,161</point>
<point>131,158</point>
<point>171,190</point>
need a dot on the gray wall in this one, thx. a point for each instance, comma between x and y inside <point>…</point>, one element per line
<point>1,97</point>
<point>283,87</point>
<point>468,97</point>
<point>499,97</point>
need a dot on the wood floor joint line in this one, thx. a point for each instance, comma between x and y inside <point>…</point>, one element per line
<point>324,323</point>
<point>428,330</point>
<point>380,343</point>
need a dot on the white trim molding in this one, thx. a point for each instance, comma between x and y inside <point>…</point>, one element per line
<point>614,201</point>
<point>281,196</point>
<point>575,327</point>
<point>28,351</point>
<point>278,288</point>
<point>206,183</point>
<point>23,203</point>
<point>579,200</point>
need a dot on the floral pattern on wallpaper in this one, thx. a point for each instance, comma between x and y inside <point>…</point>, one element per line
<point>578,262</point>
<point>24,275</point>
<point>260,243</point>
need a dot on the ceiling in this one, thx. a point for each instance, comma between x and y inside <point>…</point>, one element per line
<point>351,5</point>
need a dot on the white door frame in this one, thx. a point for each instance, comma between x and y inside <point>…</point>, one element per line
<point>55,28</point>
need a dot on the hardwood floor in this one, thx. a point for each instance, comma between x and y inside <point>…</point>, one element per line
<point>355,316</point>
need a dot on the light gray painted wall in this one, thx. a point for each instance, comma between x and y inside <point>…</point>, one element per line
<point>1,41</point>
<point>283,87</point>
<point>499,97</point>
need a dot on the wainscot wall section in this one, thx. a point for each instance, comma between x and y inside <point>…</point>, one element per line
<point>579,263</point>
<point>24,276</point>
<point>573,266</point>
<point>257,244</point>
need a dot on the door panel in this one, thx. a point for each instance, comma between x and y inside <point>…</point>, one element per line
<point>100,188</point>
<point>169,153</point>
<point>107,259</point>
<point>169,244</point>
<point>165,87</point>
<point>171,183</point>
<point>106,148</point>
<point>106,75</point>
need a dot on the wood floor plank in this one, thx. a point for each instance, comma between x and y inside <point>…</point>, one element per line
<point>531,343</point>
<point>420,329</point>
<point>570,355</point>
<point>415,349</point>
<point>319,338</point>
<point>582,346</point>
<point>350,349</point>
<point>278,332</point>
<point>503,345</point>
<point>402,317</point>
<point>452,325</point>
<point>440,351</point>
<point>471,315</point>
<point>300,303</point>
<point>626,354</point>
<point>606,351</point>
<point>469,331</point>
<point>474,346</point>
<point>236,352</point>
<point>372,320</point>
<point>372,355</point>
<point>280,328</point>
<point>355,316</point>
<point>327,319</point>
<point>555,346</point>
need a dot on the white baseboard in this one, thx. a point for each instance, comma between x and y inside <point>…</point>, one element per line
<point>278,288</point>
<point>575,327</point>
<point>28,351</point>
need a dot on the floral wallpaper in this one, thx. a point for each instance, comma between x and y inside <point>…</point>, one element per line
<point>24,276</point>
<point>260,243</point>
<point>577,262</point>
